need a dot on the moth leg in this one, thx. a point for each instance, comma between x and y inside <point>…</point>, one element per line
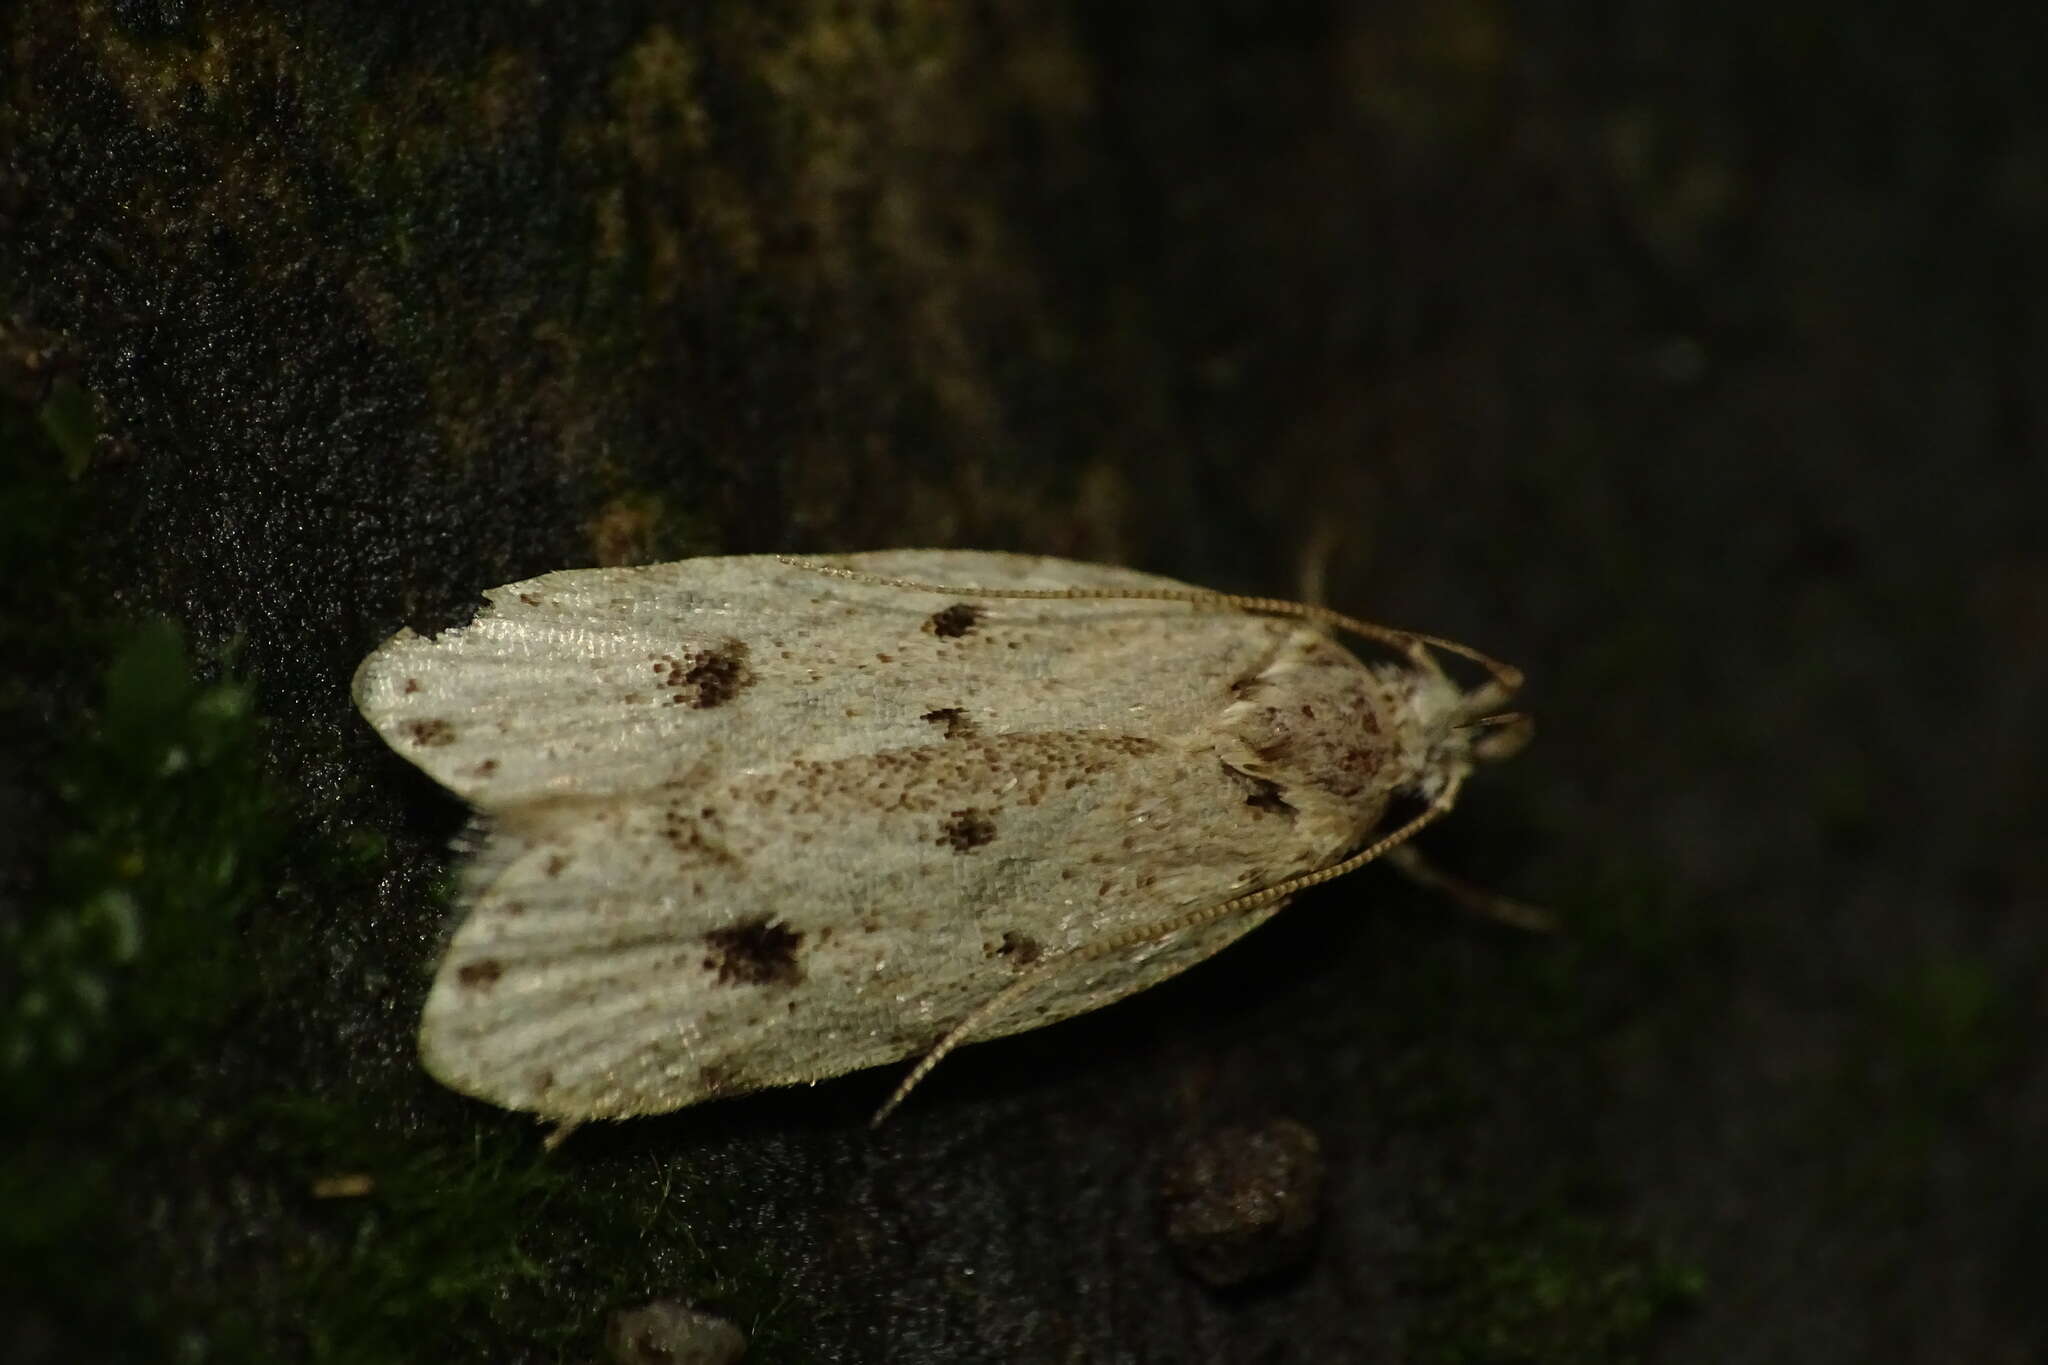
<point>1312,568</point>
<point>1477,899</point>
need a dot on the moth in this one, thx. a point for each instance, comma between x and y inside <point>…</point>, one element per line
<point>753,821</point>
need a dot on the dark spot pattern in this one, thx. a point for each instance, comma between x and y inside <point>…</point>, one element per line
<point>928,779</point>
<point>1360,766</point>
<point>530,599</point>
<point>1316,722</point>
<point>1261,794</point>
<point>1020,948</point>
<point>955,720</point>
<point>1269,801</point>
<point>695,835</point>
<point>481,974</point>
<point>758,951</point>
<point>704,678</point>
<point>966,830</point>
<point>430,734</point>
<point>950,623</point>
<point>1280,753</point>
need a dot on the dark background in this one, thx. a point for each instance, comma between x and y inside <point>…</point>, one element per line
<point>1689,356</point>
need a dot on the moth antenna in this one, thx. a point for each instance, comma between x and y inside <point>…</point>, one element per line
<point>1153,932</point>
<point>1507,676</point>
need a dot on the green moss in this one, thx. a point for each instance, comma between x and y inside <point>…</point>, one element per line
<point>1944,1030</point>
<point>1544,1288</point>
<point>1927,1049</point>
<point>43,448</point>
<point>1633,971</point>
<point>445,1252</point>
<point>128,959</point>
<point>155,832</point>
<point>168,824</point>
<point>1529,1278</point>
<point>70,423</point>
<point>155,1203</point>
<point>428,1262</point>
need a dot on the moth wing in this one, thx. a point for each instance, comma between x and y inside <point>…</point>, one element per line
<point>751,825</point>
<point>608,681</point>
<point>630,956</point>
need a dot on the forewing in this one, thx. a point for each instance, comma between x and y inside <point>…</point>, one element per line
<point>606,682</point>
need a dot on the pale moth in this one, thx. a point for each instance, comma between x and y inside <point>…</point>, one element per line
<point>754,821</point>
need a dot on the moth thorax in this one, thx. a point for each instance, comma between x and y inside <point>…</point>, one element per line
<point>1331,738</point>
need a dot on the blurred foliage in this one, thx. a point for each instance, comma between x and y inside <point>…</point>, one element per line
<point>167,825</point>
<point>1544,1289</point>
<point>447,1251</point>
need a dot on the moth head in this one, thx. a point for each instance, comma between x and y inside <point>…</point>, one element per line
<point>1459,727</point>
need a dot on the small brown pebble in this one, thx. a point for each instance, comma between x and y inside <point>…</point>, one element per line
<point>1242,1203</point>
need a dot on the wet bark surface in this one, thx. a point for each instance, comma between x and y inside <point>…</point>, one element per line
<point>1689,360</point>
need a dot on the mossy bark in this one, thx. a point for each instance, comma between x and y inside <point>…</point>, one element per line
<point>1691,361</point>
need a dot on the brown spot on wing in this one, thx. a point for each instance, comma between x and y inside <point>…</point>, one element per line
<point>481,974</point>
<point>950,623</point>
<point>430,734</point>
<point>955,720</point>
<point>1360,767</point>
<point>1027,767</point>
<point>1261,794</point>
<point>704,678</point>
<point>1020,948</point>
<point>966,830</point>
<point>1279,753</point>
<point>757,951</point>
<point>694,835</point>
